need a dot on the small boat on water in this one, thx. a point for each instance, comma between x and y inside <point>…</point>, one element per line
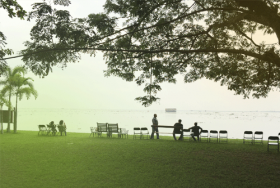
<point>170,109</point>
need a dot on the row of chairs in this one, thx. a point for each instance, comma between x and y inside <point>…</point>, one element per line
<point>221,136</point>
<point>51,129</point>
<point>256,137</point>
<point>141,132</point>
<point>122,132</point>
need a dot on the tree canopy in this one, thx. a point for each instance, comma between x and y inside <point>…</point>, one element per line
<point>150,42</point>
<point>14,10</point>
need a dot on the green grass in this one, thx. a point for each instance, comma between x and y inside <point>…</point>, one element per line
<point>77,160</point>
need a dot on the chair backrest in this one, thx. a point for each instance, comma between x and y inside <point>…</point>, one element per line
<point>213,134</point>
<point>258,134</point>
<point>144,130</point>
<point>223,132</point>
<point>204,131</point>
<point>113,126</point>
<point>248,132</point>
<point>123,130</point>
<point>137,130</point>
<point>248,135</point>
<point>273,138</point>
<point>102,127</point>
<point>42,127</point>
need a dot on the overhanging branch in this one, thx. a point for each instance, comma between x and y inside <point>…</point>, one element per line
<point>275,59</point>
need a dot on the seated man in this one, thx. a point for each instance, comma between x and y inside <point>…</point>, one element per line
<point>195,130</point>
<point>52,128</point>
<point>62,127</point>
<point>178,129</point>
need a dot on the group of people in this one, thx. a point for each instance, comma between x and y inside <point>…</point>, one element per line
<point>178,129</point>
<point>61,123</point>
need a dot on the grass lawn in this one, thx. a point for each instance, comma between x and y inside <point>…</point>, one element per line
<point>77,160</point>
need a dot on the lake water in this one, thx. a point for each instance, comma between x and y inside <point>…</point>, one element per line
<point>80,120</point>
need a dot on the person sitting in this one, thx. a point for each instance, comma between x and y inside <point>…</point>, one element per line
<point>62,127</point>
<point>178,129</point>
<point>195,130</point>
<point>52,127</point>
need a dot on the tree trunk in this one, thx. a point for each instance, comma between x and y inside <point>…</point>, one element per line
<point>1,116</point>
<point>15,123</point>
<point>9,115</point>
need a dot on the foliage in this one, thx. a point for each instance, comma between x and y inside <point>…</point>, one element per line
<point>211,39</point>
<point>14,10</point>
<point>11,79</point>
<point>22,86</point>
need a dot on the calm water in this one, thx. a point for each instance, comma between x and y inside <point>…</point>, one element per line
<point>80,120</point>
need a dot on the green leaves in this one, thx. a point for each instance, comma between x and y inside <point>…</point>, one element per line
<point>163,38</point>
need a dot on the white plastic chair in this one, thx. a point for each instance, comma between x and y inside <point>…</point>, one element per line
<point>93,131</point>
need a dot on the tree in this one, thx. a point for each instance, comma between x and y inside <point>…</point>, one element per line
<point>23,86</point>
<point>14,10</point>
<point>211,39</point>
<point>9,86</point>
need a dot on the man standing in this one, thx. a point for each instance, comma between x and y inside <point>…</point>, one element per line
<point>155,123</point>
<point>195,130</point>
<point>178,129</point>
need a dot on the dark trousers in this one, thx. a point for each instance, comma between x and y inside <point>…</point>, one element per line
<point>153,132</point>
<point>61,133</point>
<point>181,135</point>
<point>193,136</point>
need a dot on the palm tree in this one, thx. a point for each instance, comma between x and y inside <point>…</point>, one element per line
<point>9,75</point>
<point>22,86</point>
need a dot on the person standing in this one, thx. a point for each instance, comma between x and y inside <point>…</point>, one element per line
<point>178,129</point>
<point>155,123</point>
<point>195,130</point>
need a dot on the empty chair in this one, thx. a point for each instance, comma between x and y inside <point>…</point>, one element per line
<point>187,133</point>
<point>42,129</point>
<point>273,141</point>
<point>213,135</point>
<point>136,132</point>
<point>258,137</point>
<point>93,131</point>
<point>223,136</point>
<point>204,134</point>
<point>144,132</point>
<point>123,132</point>
<point>248,136</point>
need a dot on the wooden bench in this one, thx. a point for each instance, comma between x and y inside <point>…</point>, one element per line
<point>113,128</point>
<point>102,127</point>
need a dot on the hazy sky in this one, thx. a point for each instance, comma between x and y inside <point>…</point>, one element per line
<point>83,85</point>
